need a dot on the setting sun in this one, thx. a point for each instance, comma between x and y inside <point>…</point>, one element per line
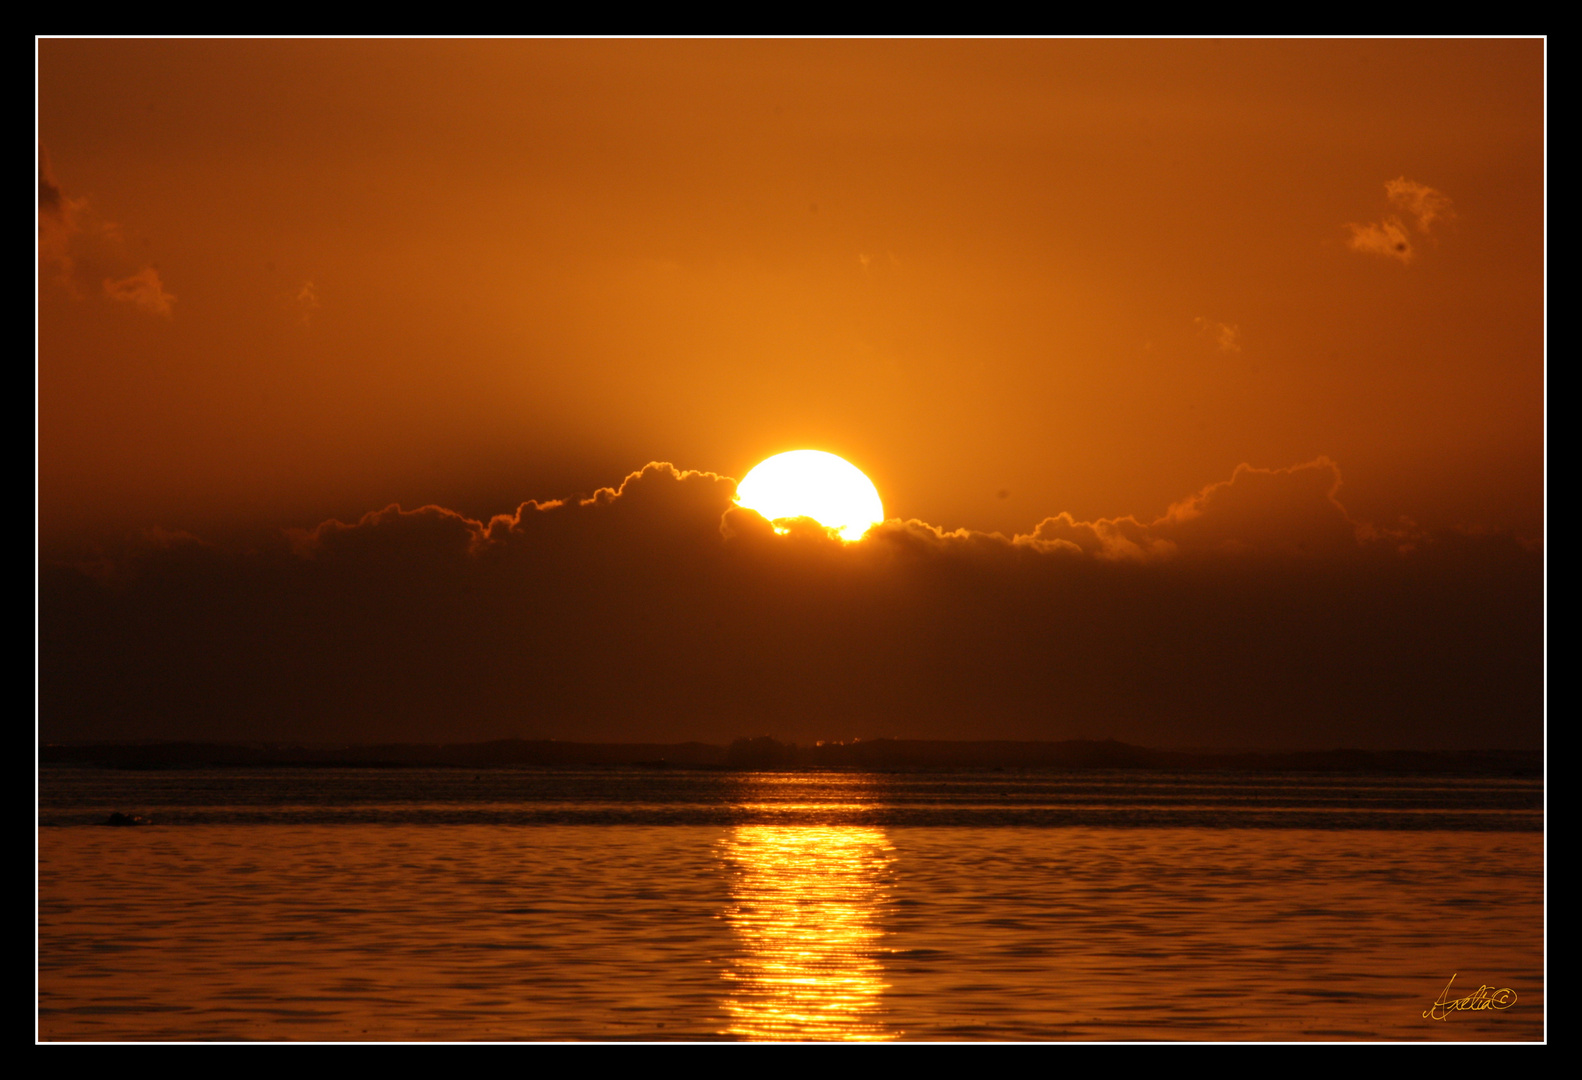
<point>812,484</point>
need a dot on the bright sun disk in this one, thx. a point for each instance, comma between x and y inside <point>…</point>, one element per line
<point>810,483</point>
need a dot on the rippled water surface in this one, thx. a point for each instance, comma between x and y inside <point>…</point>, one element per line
<point>631,905</point>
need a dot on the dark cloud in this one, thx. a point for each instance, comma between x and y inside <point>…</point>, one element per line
<point>56,219</point>
<point>51,204</point>
<point>1256,613</point>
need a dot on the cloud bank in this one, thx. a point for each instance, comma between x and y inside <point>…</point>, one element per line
<point>1253,613</point>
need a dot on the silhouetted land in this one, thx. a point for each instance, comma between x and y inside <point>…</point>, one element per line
<point>768,753</point>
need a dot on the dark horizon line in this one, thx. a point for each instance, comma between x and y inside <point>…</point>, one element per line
<point>764,752</point>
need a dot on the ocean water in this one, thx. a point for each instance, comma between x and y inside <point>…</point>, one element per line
<point>659,905</point>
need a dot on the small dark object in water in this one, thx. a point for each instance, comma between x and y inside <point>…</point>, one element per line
<point>119,818</point>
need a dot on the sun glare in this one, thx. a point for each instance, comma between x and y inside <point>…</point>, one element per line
<point>812,484</point>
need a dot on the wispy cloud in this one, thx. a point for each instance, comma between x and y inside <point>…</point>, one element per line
<point>143,289</point>
<point>307,301</point>
<point>1226,336</point>
<point>1387,238</point>
<point>1425,205</point>
<point>86,254</point>
<point>1422,207</point>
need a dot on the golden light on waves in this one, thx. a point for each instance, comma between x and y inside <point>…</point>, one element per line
<point>806,907</point>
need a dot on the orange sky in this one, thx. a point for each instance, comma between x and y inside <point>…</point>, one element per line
<point>1239,345</point>
<point>290,280</point>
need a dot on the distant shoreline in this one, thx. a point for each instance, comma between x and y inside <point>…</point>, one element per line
<point>765,753</point>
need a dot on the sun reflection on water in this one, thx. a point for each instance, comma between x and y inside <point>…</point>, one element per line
<point>806,907</point>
